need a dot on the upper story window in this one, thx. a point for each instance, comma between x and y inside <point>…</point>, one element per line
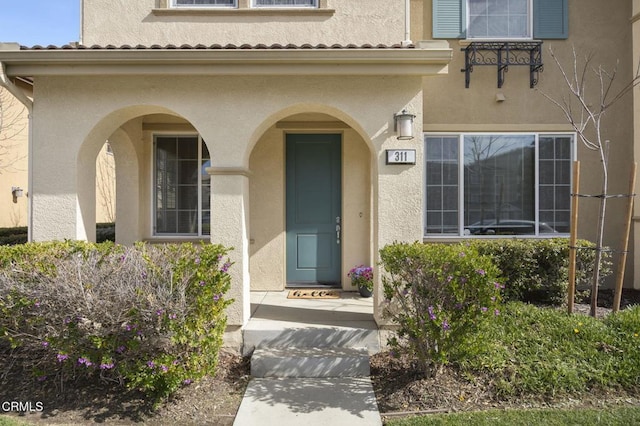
<point>285,3</point>
<point>203,3</point>
<point>501,19</point>
<point>489,19</point>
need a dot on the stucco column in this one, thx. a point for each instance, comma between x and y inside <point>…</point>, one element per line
<point>230,227</point>
<point>399,199</point>
<point>58,210</point>
<point>128,189</point>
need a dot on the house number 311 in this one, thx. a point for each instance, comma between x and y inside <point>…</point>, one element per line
<point>401,156</point>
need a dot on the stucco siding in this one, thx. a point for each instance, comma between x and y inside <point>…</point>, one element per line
<point>134,22</point>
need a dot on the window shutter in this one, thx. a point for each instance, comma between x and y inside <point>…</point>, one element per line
<point>550,19</point>
<point>449,18</point>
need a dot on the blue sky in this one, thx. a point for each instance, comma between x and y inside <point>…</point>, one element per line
<point>43,22</point>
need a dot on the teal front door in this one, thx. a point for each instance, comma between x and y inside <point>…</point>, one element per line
<point>314,165</point>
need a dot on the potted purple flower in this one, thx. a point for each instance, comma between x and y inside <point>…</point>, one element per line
<point>362,277</point>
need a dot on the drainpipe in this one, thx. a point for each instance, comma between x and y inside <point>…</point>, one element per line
<point>407,23</point>
<point>6,83</point>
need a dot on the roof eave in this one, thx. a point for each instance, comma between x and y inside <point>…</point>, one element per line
<point>360,61</point>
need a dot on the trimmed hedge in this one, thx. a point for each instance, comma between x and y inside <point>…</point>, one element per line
<point>151,317</point>
<point>537,270</point>
<point>12,236</point>
<point>19,235</point>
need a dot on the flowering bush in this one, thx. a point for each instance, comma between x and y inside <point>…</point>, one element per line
<point>150,316</point>
<point>439,295</point>
<point>362,276</point>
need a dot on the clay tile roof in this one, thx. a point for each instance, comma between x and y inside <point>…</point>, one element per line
<point>200,46</point>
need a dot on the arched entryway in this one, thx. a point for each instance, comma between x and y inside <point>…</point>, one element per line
<point>310,197</point>
<point>161,184</point>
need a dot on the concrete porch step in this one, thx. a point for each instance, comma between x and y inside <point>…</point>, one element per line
<point>265,335</point>
<point>310,362</point>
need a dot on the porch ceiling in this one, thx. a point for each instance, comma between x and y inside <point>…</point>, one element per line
<point>425,58</point>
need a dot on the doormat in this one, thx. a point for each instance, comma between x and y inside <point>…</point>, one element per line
<point>313,294</point>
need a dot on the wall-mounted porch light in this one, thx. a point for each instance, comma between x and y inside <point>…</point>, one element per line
<point>16,192</point>
<point>404,125</point>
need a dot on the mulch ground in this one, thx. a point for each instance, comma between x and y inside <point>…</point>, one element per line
<point>400,388</point>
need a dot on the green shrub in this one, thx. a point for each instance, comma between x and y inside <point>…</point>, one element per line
<point>537,270</point>
<point>439,295</point>
<point>105,232</point>
<point>19,235</point>
<point>11,236</point>
<point>150,316</point>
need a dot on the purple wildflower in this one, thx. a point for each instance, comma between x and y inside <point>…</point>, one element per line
<point>187,381</point>
<point>120,349</point>
<point>36,304</point>
<point>480,272</point>
<point>432,316</point>
<point>197,261</point>
<point>202,283</point>
<point>173,316</point>
<point>164,368</point>
<point>484,309</point>
<point>217,297</point>
<point>159,312</point>
<point>85,361</point>
<point>45,344</point>
<point>445,325</point>
<point>496,312</point>
<point>62,357</point>
<point>225,267</point>
<point>108,366</point>
<point>151,364</point>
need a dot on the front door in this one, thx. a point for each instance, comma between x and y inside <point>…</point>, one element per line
<point>314,166</point>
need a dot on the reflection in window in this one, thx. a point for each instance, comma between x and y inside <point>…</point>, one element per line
<point>182,186</point>
<point>497,184</point>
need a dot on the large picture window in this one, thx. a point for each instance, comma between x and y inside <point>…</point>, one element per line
<point>500,19</point>
<point>182,186</point>
<point>497,184</point>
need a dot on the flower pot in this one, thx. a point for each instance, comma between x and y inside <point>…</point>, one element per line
<point>365,292</point>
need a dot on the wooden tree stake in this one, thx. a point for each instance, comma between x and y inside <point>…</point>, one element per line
<point>625,242</point>
<point>573,240</point>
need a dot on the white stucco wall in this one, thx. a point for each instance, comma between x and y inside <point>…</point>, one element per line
<point>121,22</point>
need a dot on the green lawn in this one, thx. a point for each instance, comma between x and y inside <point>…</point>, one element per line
<point>615,416</point>
<point>12,421</point>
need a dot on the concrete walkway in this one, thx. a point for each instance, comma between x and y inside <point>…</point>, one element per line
<point>280,327</point>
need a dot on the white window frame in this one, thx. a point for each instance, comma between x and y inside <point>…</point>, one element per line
<point>174,4</point>
<point>460,136</point>
<point>529,23</point>
<point>169,235</point>
<point>254,4</point>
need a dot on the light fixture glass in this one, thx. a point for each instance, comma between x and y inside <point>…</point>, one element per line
<point>404,125</point>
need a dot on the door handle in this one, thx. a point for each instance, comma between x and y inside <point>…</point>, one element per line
<point>338,229</point>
